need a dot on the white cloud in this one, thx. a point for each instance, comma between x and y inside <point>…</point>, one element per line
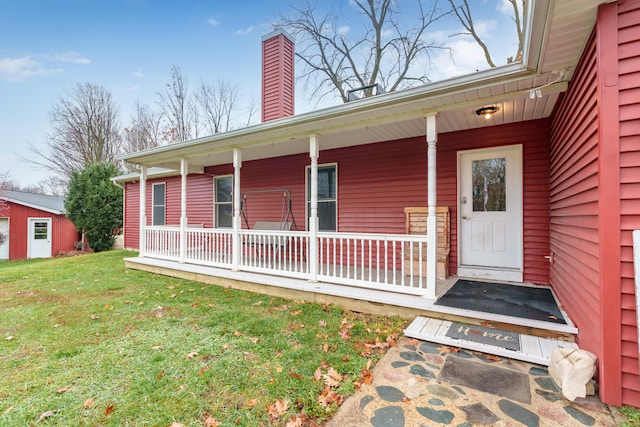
<point>466,57</point>
<point>343,30</point>
<point>244,31</point>
<point>213,21</point>
<point>137,73</point>
<point>18,69</point>
<point>73,57</point>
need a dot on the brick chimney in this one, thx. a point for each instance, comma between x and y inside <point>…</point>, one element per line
<point>277,75</point>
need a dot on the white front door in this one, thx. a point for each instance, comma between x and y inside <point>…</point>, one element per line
<point>4,229</point>
<point>39,238</point>
<point>490,213</point>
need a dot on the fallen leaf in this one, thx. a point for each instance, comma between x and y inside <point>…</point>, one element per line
<point>553,317</point>
<point>257,303</point>
<point>158,347</point>
<point>109,409</point>
<point>367,377</point>
<point>326,306</point>
<point>278,408</point>
<point>254,339</point>
<point>160,375</point>
<point>87,403</point>
<point>226,346</point>
<point>45,415</point>
<point>345,334</point>
<point>492,357</point>
<point>369,364</point>
<point>295,313</point>
<point>193,354</point>
<point>332,378</point>
<point>294,374</point>
<point>405,399</point>
<point>237,334</point>
<point>317,374</point>
<point>325,347</point>
<point>203,370</point>
<point>278,353</point>
<point>252,403</point>
<point>322,323</point>
<point>62,389</point>
<point>176,425</point>
<point>210,422</point>
<point>294,421</point>
<point>94,317</point>
<point>195,304</point>
<point>6,411</point>
<point>9,338</point>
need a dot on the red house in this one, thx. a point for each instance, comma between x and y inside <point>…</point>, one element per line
<point>335,202</point>
<point>36,225</point>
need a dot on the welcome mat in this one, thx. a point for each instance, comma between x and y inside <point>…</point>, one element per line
<point>490,336</point>
<point>526,302</point>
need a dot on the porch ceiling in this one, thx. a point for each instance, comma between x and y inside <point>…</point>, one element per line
<point>559,31</point>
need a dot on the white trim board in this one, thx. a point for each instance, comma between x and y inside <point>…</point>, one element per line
<point>532,349</point>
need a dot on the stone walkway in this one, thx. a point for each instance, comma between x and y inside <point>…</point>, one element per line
<point>423,384</point>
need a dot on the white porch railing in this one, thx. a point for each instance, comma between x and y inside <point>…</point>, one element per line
<point>394,263</point>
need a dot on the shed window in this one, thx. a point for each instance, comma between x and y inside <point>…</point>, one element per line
<point>159,204</point>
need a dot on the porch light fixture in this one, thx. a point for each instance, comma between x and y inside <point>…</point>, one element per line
<point>487,112</point>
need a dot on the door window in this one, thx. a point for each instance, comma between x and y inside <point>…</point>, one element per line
<point>489,185</point>
<point>40,230</point>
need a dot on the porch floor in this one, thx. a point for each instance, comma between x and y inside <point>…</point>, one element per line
<point>353,297</point>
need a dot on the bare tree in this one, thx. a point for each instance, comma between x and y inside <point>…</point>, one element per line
<point>463,13</point>
<point>384,51</point>
<point>218,103</point>
<point>85,131</point>
<point>144,130</point>
<point>174,102</point>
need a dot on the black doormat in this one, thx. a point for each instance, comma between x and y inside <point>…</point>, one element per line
<point>510,300</point>
<point>495,337</point>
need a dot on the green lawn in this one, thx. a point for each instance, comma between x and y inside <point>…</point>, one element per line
<point>86,342</point>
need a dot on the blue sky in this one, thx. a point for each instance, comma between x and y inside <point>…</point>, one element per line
<point>129,47</point>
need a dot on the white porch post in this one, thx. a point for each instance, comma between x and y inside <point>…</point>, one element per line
<point>432,238</point>
<point>184,171</point>
<point>314,150</point>
<point>236,246</point>
<point>143,208</point>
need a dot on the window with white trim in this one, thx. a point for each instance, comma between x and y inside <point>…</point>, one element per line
<point>223,201</point>
<point>158,203</point>
<point>327,197</point>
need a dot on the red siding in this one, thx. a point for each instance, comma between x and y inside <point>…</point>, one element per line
<point>199,204</point>
<point>574,202</point>
<point>63,232</point>
<point>277,77</point>
<point>595,170</point>
<point>628,41</point>
<point>534,137</point>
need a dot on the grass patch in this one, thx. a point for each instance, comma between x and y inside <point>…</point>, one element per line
<point>633,416</point>
<point>84,341</point>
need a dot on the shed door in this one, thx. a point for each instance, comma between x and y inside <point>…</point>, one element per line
<point>4,229</point>
<point>39,238</point>
<point>490,213</point>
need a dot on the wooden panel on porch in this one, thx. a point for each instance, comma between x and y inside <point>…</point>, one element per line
<point>416,223</point>
<point>533,349</point>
